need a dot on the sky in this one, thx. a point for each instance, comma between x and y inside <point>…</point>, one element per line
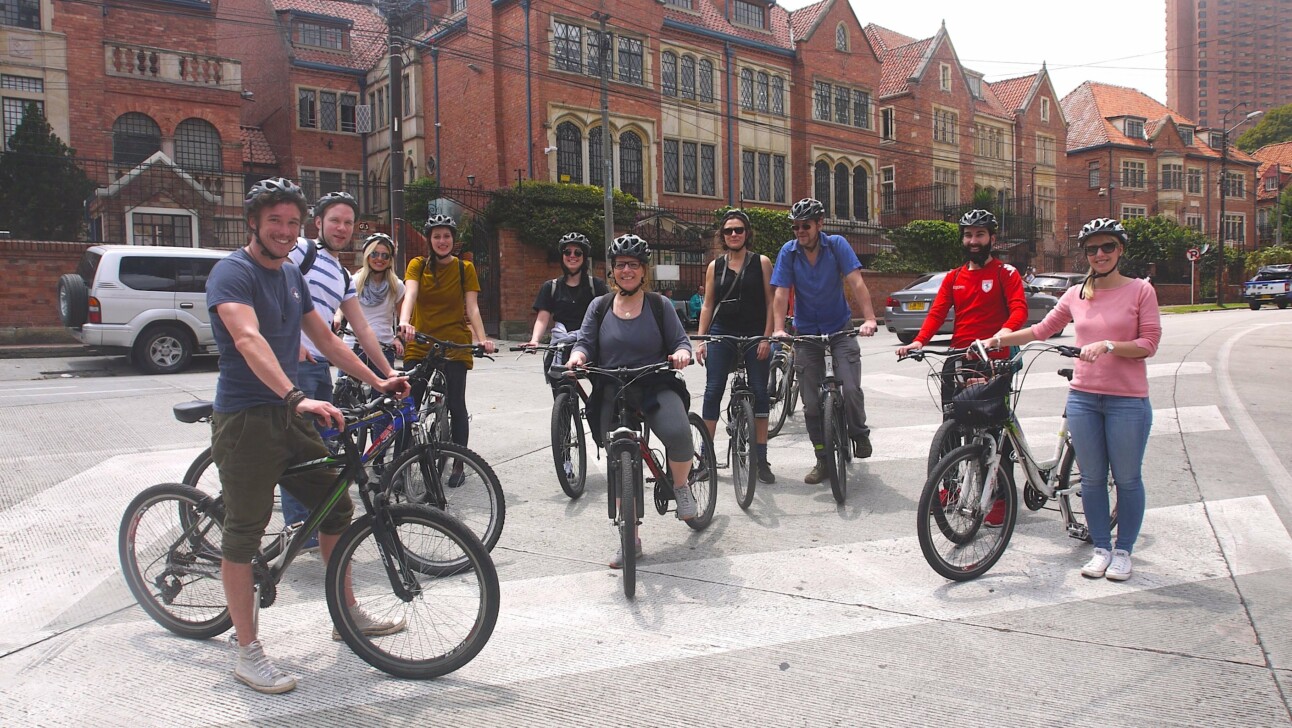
<point>1121,42</point>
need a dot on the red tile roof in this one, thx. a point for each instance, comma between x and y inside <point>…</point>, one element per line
<point>367,35</point>
<point>255,147</point>
<point>884,39</point>
<point>710,18</point>
<point>1280,153</point>
<point>898,65</point>
<point>1013,92</point>
<point>803,21</point>
<point>1267,169</point>
<point>993,104</point>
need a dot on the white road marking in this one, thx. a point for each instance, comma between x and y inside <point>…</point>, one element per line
<point>80,392</point>
<point>1280,479</point>
<point>910,386</point>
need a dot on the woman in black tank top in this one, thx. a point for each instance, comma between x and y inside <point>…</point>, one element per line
<point>737,302</point>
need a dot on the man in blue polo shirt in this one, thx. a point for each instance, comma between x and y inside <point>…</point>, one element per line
<point>818,267</point>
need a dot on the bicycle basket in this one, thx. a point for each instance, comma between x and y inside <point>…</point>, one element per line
<point>983,404</point>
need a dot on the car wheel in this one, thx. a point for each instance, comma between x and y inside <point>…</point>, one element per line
<point>73,300</point>
<point>1282,305</point>
<point>1254,306</point>
<point>163,350</point>
<point>905,338</point>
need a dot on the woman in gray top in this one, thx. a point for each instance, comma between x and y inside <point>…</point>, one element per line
<point>625,328</point>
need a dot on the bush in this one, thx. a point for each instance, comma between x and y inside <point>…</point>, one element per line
<point>418,195</point>
<point>771,228</point>
<point>542,212</point>
<point>921,246</point>
<point>1268,256</point>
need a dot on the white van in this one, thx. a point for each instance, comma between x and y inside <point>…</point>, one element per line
<point>148,302</point>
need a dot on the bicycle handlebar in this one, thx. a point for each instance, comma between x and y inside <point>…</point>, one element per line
<point>477,350</point>
<point>1063,350</point>
<point>541,347</point>
<point>817,339</point>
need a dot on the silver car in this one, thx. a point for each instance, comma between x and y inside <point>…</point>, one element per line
<point>1056,283</point>
<point>905,310</point>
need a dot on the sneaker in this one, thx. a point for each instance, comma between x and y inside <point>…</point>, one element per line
<point>1098,564</point>
<point>256,671</point>
<point>996,516</point>
<point>765,474</point>
<point>455,479</point>
<point>371,626</point>
<point>618,561</point>
<point>861,448</point>
<point>817,473</point>
<point>686,509</point>
<point>1120,568</point>
<point>311,545</point>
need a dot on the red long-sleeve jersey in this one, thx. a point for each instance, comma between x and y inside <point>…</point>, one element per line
<point>985,300</point>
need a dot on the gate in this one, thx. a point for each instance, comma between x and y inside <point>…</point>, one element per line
<point>478,242</point>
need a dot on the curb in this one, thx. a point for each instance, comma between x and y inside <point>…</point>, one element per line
<point>41,351</point>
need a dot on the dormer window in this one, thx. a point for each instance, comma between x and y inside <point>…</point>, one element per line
<point>751,14</point>
<point>1216,140</point>
<point>1186,135</point>
<point>319,35</point>
<point>1135,128</point>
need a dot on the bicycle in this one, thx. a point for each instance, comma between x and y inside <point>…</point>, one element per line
<point>628,449</point>
<point>741,448</point>
<point>401,560</point>
<point>569,410</point>
<point>836,444</point>
<point>782,389</point>
<point>967,481</point>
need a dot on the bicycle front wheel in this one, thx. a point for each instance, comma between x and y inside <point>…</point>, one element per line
<point>950,520</point>
<point>835,431</point>
<point>452,479</point>
<point>703,478</point>
<point>445,620</point>
<point>1069,476</point>
<point>744,456</point>
<point>778,392</point>
<point>569,449</point>
<point>625,488</point>
<point>169,545</point>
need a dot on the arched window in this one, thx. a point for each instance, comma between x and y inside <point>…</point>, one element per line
<point>135,137</point>
<point>704,78</point>
<point>840,38</point>
<point>197,146</point>
<point>688,77</point>
<point>778,95</point>
<point>569,153</point>
<point>821,183</point>
<point>860,194</point>
<point>841,195</point>
<point>630,164</point>
<point>746,88</point>
<point>668,73</point>
<point>763,91</point>
<point>595,165</point>
<point>410,171</point>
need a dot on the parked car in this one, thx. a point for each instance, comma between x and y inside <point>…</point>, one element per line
<point>1272,284</point>
<point>146,302</point>
<point>1055,284</point>
<point>905,310</point>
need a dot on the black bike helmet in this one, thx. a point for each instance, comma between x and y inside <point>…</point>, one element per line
<point>807,209</point>
<point>435,221</point>
<point>578,239</point>
<point>272,191</point>
<point>979,218</point>
<point>335,198</point>
<point>1104,226</point>
<point>629,245</point>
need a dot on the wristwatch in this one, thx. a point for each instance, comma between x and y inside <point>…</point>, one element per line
<point>1108,345</point>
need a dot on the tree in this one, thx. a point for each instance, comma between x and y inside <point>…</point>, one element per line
<point>1274,127</point>
<point>1159,240</point>
<point>922,246</point>
<point>417,197</point>
<point>42,190</point>
<point>771,228</point>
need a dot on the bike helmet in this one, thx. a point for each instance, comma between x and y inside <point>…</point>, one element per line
<point>379,237</point>
<point>578,239</point>
<point>979,218</point>
<point>334,198</point>
<point>435,221</point>
<point>1105,226</point>
<point>629,245</point>
<point>807,209</point>
<point>272,191</point>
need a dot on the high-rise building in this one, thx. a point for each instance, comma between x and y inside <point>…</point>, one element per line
<point>1222,53</point>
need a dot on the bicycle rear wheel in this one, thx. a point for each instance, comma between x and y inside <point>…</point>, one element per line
<point>835,430</point>
<point>447,620</point>
<point>703,478</point>
<point>778,394</point>
<point>744,456</point>
<point>452,479</point>
<point>949,517</point>
<point>949,436</point>
<point>569,449</point>
<point>1069,476</point>
<point>169,545</point>
<point>204,476</point>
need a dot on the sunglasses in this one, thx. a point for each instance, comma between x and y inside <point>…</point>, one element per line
<point>1106,248</point>
<point>628,265</point>
<point>572,253</point>
<point>804,226</point>
<point>733,231</point>
<point>379,255</point>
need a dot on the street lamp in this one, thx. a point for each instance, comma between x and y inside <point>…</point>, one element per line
<point>1224,185</point>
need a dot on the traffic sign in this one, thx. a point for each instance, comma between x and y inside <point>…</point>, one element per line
<point>1192,254</point>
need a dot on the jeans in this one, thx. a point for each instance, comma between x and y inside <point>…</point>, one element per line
<point>720,363</point>
<point>1110,431</point>
<point>809,365</point>
<point>455,399</point>
<point>315,380</point>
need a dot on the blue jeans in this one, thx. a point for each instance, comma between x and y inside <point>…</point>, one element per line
<point>1110,431</point>
<point>315,380</point>
<point>720,363</point>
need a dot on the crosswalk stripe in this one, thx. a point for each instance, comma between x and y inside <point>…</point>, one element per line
<point>911,386</point>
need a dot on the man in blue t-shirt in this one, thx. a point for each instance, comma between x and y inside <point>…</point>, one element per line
<point>259,306</point>
<point>818,267</point>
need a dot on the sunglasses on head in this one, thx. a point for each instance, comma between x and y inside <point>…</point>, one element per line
<point>572,253</point>
<point>379,255</point>
<point>733,231</point>
<point>1106,248</point>
<point>804,226</point>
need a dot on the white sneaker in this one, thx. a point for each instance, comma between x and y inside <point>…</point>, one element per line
<point>1120,568</point>
<point>1098,564</point>
<point>372,626</point>
<point>255,670</point>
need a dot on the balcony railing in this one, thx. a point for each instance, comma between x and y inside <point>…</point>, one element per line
<point>159,64</point>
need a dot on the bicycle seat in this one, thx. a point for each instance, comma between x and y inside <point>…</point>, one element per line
<point>196,411</point>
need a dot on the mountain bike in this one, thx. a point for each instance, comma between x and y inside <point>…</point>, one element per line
<point>742,452</point>
<point>836,444</point>
<point>403,561</point>
<point>569,410</point>
<point>967,482</point>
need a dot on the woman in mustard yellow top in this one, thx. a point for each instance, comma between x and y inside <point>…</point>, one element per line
<point>440,292</point>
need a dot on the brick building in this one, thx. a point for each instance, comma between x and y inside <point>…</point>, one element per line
<point>1273,179</point>
<point>1129,156</point>
<point>1222,53</point>
<point>33,66</point>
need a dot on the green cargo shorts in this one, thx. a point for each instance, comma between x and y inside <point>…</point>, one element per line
<point>252,448</point>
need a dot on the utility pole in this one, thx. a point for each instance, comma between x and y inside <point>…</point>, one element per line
<point>607,164</point>
<point>394,79</point>
<point>1224,185</point>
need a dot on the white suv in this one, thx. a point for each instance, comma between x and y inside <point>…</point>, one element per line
<point>148,302</point>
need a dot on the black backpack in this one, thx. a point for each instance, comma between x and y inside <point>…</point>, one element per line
<point>601,306</point>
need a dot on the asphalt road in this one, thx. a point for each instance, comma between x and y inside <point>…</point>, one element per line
<point>796,612</point>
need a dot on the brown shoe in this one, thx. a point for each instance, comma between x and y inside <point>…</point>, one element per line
<point>816,474</point>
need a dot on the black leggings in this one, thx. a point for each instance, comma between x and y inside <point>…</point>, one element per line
<point>455,397</point>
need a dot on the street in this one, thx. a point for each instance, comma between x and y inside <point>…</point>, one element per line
<point>795,612</point>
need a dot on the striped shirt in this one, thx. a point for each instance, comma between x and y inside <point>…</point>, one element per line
<point>326,282</point>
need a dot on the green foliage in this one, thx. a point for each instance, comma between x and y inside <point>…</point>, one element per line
<point>418,195</point>
<point>1275,126</point>
<point>544,211</point>
<point>771,228</point>
<point>921,246</point>
<point>983,199</point>
<point>1274,255</point>
<point>42,190</point>
<point>1157,239</point>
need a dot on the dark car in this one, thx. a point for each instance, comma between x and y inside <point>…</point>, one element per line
<point>905,310</point>
<point>1055,284</point>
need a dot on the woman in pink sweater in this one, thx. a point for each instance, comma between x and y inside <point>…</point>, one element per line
<point>1109,415</point>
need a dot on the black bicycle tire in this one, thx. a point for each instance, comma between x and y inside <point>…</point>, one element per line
<point>930,505</point>
<point>707,498</point>
<point>127,541</point>
<point>201,465</point>
<point>626,491</point>
<point>566,420</point>
<point>1064,480</point>
<point>780,410</point>
<point>440,453</point>
<point>744,478</point>
<point>836,462</point>
<point>949,436</point>
<point>794,393</point>
<point>365,647</point>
